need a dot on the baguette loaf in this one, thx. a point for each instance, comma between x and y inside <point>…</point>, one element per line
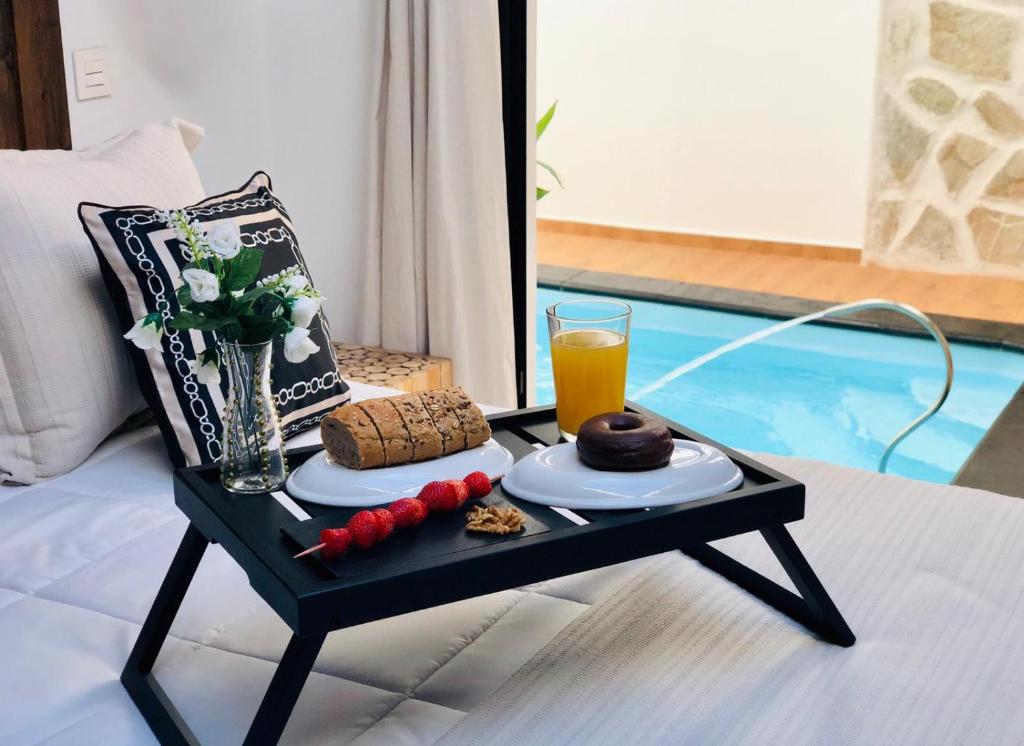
<point>398,429</point>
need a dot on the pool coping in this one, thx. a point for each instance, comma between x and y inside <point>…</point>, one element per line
<point>995,463</point>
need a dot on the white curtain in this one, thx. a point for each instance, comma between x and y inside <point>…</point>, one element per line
<point>438,276</point>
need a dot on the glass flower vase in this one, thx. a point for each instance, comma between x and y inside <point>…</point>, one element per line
<point>253,449</point>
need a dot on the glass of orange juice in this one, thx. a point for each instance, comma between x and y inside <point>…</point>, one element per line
<point>589,350</point>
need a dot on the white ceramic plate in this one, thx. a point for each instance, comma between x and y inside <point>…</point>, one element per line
<point>326,483</point>
<point>555,476</point>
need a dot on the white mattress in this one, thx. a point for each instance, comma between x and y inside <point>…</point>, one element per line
<point>81,558</point>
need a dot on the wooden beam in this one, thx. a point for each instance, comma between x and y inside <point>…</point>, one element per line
<point>12,128</point>
<point>512,25</point>
<point>40,63</point>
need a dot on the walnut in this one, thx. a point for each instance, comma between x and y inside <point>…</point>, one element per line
<point>495,520</point>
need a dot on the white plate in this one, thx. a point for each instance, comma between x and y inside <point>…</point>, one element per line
<point>326,483</point>
<point>555,476</point>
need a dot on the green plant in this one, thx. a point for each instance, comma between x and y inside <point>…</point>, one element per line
<point>542,125</point>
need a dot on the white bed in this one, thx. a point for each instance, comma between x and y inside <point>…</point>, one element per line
<point>81,557</point>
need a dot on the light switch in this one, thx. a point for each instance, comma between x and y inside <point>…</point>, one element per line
<point>91,73</point>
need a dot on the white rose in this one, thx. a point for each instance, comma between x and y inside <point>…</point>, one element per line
<point>295,283</point>
<point>298,346</point>
<point>204,285</point>
<point>304,310</point>
<point>225,239</point>
<point>146,334</point>
<point>207,374</point>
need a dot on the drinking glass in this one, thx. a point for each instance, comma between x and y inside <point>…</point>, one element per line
<point>589,350</point>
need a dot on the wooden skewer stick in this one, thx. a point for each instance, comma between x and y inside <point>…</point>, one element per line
<point>318,547</point>
<point>310,550</point>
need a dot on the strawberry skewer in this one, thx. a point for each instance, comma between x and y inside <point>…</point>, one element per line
<point>401,514</point>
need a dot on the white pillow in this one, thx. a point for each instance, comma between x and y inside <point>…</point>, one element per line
<point>66,380</point>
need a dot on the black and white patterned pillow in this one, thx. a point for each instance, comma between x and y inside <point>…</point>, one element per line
<point>141,261</point>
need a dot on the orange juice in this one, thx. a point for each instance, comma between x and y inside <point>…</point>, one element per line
<point>590,375</point>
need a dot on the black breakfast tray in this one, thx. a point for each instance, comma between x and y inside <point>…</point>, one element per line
<point>439,562</point>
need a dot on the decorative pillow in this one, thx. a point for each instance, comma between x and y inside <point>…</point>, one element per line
<point>141,260</point>
<point>66,381</point>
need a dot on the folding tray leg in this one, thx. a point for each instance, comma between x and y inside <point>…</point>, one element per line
<point>284,690</point>
<point>812,608</point>
<point>163,719</point>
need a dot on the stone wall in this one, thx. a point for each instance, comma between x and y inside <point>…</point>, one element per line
<point>947,189</point>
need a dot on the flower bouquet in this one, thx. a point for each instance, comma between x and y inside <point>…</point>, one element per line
<point>220,293</point>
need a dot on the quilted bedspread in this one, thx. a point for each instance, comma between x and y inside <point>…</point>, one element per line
<point>81,558</point>
<point>927,575</point>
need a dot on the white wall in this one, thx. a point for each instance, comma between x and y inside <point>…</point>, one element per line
<point>279,87</point>
<point>744,118</point>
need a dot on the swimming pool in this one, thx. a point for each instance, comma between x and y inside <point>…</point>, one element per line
<point>820,392</point>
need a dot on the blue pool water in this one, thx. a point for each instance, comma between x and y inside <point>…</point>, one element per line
<point>826,393</point>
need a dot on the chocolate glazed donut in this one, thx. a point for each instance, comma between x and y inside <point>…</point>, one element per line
<point>624,441</point>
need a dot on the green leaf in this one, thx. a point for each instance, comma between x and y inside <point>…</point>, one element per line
<point>210,356</point>
<point>184,295</point>
<point>241,271</point>
<point>281,326</point>
<point>261,328</point>
<point>546,119</point>
<point>185,319</point>
<point>269,305</point>
<point>215,309</point>
<point>551,171</point>
<point>251,295</point>
<point>232,331</point>
<point>153,319</point>
<point>541,193</point>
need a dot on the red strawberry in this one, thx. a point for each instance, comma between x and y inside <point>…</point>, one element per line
<point>440,497</point>
<point>422,511</point>
<point>408,512</point>
<point>479,484</point>
<point>385,523</point>
<point>337,541</point>
<point>363,526</point>
<point>461,490</point>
